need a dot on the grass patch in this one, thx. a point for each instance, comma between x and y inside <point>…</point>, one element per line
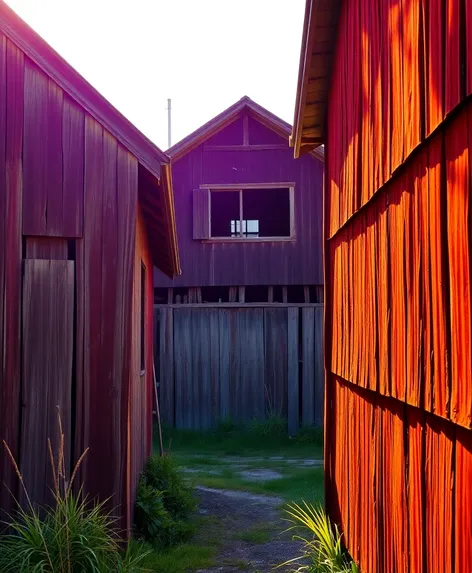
<point>256,535</point>
<point>296,484</point>
<point>257,438</point>
<point>180,559</point>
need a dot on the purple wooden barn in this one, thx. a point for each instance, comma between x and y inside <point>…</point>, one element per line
<point>239,333</point>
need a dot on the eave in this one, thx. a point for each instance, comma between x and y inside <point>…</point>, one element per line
<point>318,40</point>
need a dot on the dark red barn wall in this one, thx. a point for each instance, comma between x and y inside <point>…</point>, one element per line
<point>397,243</point>
<point>68,211</point>
<point>253,263</point>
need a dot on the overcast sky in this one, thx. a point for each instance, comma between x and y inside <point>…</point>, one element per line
<point>204,54</point>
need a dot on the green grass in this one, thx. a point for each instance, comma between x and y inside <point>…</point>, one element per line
<point>258,438</point>
<point>180,559</point>
<point>295,485</point>
<point>256,535</point>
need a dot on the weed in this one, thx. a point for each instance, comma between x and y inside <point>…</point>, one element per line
<point>322,551</point>
<point>72,536</point>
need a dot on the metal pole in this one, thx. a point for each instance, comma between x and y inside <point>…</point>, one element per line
<point>169,123</point>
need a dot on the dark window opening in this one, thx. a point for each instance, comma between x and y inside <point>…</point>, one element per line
<point>143,318</point>
<point>295,294</point>
<point>278,294</point>
<point>256,294</point>
<point>180,295</point>
<point>225,209</point>
<point>251,213</point>
<point>215,294</point>
<point>160,296</point>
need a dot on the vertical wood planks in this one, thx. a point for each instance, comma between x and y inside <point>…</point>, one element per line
<point>166,365</point>
<point>48,302</point>
<point>230,363</point>
<point>73,122</point>
<point>292,371</point>
<point>224,368</point>
<point>319,372</point>
<point>10,397</point>
<point>276,370</point>
<point>308,380</point>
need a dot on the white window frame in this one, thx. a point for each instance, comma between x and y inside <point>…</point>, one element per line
<point>240,188</point>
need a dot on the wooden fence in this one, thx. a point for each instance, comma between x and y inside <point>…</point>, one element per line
<point>239,362</point>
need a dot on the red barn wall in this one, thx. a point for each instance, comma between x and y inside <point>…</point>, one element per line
<point>252,263</point>
<point>68,210</point>
<point>397,243</point>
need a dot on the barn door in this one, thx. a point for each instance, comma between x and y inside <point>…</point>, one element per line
<point>47,350</point>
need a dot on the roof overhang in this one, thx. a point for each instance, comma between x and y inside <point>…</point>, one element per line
<point>157,203</point>
<point>318,41</point>
<point>244,106</point>
<point>151,159</point>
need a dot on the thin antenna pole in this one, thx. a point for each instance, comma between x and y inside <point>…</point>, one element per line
<point>169,123</point>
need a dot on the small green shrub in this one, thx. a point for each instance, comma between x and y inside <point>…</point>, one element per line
<point>322,550</point>
<point>163,504</point>
<point>163,474</point>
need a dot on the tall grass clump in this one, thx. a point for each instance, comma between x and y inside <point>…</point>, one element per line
<point>163,505</point>
<point>73,535</point>
<point>322,550</point>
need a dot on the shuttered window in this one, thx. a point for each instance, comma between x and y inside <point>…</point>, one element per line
<point>201,214</point>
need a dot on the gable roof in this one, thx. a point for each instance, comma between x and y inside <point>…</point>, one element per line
<point>244,106</point>
<point>318,42</point>
<point>66,77</point>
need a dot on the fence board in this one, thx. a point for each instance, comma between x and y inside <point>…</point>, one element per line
<point>214,366</point>
<point>251,336</point>
<point>166,365</point>
<point>275,329</point>
<point>292,372</point>
<point>224,369</point>
<point>318,365</point>
<point>308,346</point>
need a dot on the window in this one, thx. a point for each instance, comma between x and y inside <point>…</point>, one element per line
<point>253,212</point>
<point>143,319</point>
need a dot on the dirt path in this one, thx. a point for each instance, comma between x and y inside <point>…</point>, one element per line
<point>247,528</point>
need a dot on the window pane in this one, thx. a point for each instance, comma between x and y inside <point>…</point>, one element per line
<point>267,212</point>
<point>224,213</point>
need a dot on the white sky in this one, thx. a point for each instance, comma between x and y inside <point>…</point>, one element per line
<point>204,54</point>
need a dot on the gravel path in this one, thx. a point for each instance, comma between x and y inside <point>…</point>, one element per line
<point>235,513</point>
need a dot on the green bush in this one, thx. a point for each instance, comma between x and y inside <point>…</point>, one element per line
<point>322,551</point>
<point>162,474</point>
<point>163,504</point>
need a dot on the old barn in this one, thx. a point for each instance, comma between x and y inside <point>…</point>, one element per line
<point>86,210</point>
<point>386,85</point>
<point>240,331</point>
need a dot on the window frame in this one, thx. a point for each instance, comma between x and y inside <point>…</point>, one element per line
<point>215,188</point>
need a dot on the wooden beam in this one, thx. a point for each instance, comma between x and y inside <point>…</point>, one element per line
<point>242,294</point>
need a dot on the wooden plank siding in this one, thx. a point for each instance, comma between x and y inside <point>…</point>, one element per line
<point>72,238</point>
<point>239,364</point>
<point>398,305</point>
<point>219,160</point>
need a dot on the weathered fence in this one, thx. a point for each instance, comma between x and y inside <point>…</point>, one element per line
<point>239,362</point>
